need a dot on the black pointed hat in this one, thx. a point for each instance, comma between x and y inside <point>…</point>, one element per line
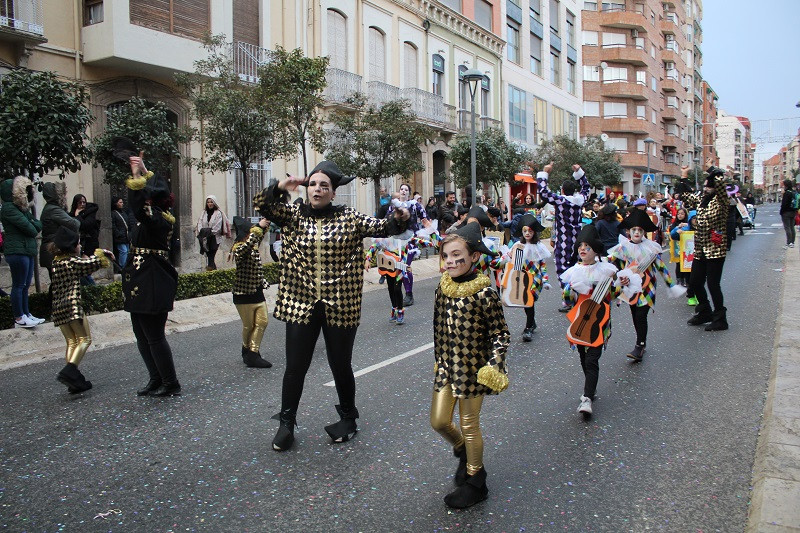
<point>157,187</point>
<point>530,221</point>
<point>638,219</point>
<point>122,148</point>
<point>242,226</point>
<point>590,236</point>
<point>471,233</point>
<point>331,169</point>
<point>480,215</point>
<point>65,238</point>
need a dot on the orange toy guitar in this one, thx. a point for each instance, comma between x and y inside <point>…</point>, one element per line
<point>589,316</point>
<point>517,282</point>
<point>389,264</point>
<point>642,269</point>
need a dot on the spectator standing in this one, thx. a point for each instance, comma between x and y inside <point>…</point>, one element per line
<point>54,216</point>
<point>120,230</point>
<point>86,213</point>
<point>788,212</point>
<point>212,226</point>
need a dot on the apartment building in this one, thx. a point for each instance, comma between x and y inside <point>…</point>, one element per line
<point>734,146</point>
<point>385,48</point>
<point>542,86</point>
<point>639,66</point>
<point>709,130</point>
<point>772,175</point>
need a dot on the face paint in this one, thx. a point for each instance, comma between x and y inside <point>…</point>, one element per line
<point>586,254</point>
<point>460,262</point>
<point>637,234</point>
<point>457,258</point>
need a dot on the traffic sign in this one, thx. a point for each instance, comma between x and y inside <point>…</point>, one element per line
<point>648,179</point>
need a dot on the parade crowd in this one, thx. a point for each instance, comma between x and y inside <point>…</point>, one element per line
<point>607,250</point>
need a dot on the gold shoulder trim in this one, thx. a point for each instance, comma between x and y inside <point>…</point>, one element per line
<point>257,230</point>
<point>168,217</point>
<point>104,260</point>
<point>451,289</point>
<point>137,184</point>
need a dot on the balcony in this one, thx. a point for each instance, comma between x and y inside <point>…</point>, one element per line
<point>21,22</point>
<point>671,113</point>
<point>246,59</point>
<point>630,55</point>
<point>429,108</point>
<point>487,123</point>
<point>380,93</point>
<point>639,160</point>
<point>698,93</point>
<point>340,86</point>
<point>671,85</point>
<point>671,140</point>
<point>638,126</point>
<point>481,123</point>
<point>672,169</point>
<point>668,54</point>
<point>624,89</point>
<point>628,20</point>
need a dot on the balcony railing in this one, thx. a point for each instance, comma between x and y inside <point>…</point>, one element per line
<point>341,85</point>
<point>22,16</point>
<point>381,93</point>
<point>426,105</point>
<point>246,60</point>
<point>487,123</point>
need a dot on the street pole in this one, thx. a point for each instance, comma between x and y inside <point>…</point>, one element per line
<point>648,142</point>
<point>473,163</point>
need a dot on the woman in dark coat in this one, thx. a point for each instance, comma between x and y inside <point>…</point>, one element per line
<point>86,213</point>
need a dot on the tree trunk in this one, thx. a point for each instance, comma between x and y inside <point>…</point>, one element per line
<point>245,190</point>
<point>36,280</point>
<point>376,182</point>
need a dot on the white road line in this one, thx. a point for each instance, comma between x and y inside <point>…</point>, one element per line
<point>387,362</point>
<point>776,225</point>
<point>761,233</point>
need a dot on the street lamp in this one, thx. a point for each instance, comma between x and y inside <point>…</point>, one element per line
<point>473,77</point>
<point>696,164</point>
<point>648,141</point>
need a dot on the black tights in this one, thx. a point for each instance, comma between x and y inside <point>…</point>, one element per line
<point>707,272</point>
<point>590,362</point>
<point>395,291</point>
<point>300,342</point>
<point>530,317</point>
<point>153,345</point>
<point>639,315</point>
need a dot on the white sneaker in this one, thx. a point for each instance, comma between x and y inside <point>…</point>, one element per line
<point>24,323</point>
<point>586,406</point>
<point>791,245</point>
<point>35,319</point>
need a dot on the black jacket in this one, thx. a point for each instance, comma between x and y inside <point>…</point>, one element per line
<point>90,228</point>
<point>787,202</point>
<point>120,227</point>
<point>447,216</point>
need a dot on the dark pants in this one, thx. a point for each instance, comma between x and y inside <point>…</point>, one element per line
<point>395,292</point>
<point>788,226</point>
<point>530,317</point>
<point>590,362</point>
<point>300,342</point>
<point>707,272</point>
<point>153,345</point>
<point>211,256</point>
<point>639,315</point>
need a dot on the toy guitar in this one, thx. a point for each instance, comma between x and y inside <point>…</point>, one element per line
<point>589,316</point>
<point>517,282</point>
<point>389,264</point>
<point>642,269</point>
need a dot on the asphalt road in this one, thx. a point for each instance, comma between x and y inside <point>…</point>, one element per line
<point>670,446</point>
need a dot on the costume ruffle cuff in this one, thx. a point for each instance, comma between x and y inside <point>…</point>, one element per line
<point>137,184</point>
<point>494,379</point>
<point>104,260</point>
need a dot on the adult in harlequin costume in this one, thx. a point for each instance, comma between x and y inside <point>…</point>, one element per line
<point>248,289</point>
<point>321,286</point>
<point>641,292</point>
<point>149,281</point>
<point>534,256</point>
<point>403,199</point>
<point>710,224</point>
<point>580,281</point>
<point>470,340</point>
<point>567,222</point>
<point>68,268</point>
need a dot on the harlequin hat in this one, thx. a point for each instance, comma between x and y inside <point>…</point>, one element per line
<point>122,148</point>
<point>590,236</point>
<point>471,233</point>
<point>65,238</point>
<point>638,219</point>
<point>242,226</point>
<point>480,215</point>
<point>157,187</point>
<point>331,169</point>
<point>530,221</point>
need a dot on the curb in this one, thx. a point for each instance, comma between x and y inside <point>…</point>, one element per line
<point>775,501</point>
<point>45,343</point>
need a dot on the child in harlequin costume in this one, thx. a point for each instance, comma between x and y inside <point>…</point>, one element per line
<point>568,211</point>
<point>403,199</point>
<point>470,338</point>
<point>581,279</point>
<point>68,269</point>
<point>641,292</point>
<point>248,289</point>
<point>534,256</point>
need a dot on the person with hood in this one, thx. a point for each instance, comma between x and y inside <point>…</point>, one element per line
<point>86,213</point>
<point>20,229</point>
<point>321,286</point>
<point>120,230</point>
<point>211,227</point>
<point>54,216</point>
<point>568,210</point>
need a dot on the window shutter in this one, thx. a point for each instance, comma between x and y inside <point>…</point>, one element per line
<point>245,21</point>
<point>411,65</point>
<point>377,56</point>
<point>190,18</point>
<point>337,39</point>
<point>150,14</point>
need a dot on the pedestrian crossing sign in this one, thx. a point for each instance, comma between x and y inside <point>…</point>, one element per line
<point>648,179</point>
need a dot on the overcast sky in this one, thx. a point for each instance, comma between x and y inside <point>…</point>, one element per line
<point>750,58</point>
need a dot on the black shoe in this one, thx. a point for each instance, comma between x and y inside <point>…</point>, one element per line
<point>167,389</point>
<point>345,429</point>
<point>408,300</point>
<point>285,437</point>
<point>382,280</point>
<point>565,309</point>
<point>254,360</point>
<point>73,379</point>
<point>152,385</point>
<point>702,315</point>
<point>461,472</point>
<point>527,334</point>
<point>472,492</point>
<point>719,321</point>
<point>637,353</point>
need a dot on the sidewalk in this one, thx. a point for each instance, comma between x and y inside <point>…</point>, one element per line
<point>25,346</point>
<point>775,502</point>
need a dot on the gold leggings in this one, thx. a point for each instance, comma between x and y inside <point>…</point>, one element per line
<point>78,337</point>
<point>254,323</point>
<point>443,406</point>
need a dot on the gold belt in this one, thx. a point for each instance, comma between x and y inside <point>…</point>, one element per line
<point>151,251</point>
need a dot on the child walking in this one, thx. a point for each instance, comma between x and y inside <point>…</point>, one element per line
<point>68,269</point>
<point>470,339</point>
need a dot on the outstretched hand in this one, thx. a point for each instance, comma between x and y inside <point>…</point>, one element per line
<point>137,165</point>
<point>685,171</point>
<point>548,167</point>
<point>576,168</point>
<point>291,183</point>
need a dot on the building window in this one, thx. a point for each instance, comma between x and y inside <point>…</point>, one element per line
<point>259,175</point>
<point>377,55</point>
<point>620,144</point>
<point>337,39</point>
<point>591,109</point>
<point>536,54</point>
<point>455,5</point>
<point>590,6</point>
<point>92,12</point>
<point>571,77</point>
<point>591,73</point>
<point>613,40</point>
<point>653,116</point>
<point>641,77</point>
<point>539,120</point>
<point>640,112</point>
<point>572,126</point>
<point>517,125</point>
<point>438,74</point>
<point>555,25</point>
<point>187,18</point>
<point>410,65</point>
<point>615,110</point>
<point>613,6</point>
<point>653,83</point>
<point>536,10</point>
<point>570,29</point>
<point>483,14</point>
<point>464,100</point>
<point>590,38</point>
<point>512,40</point>
<point>558,121</point>
<point>555,68</point>
<point>615,74</point>
<point>486,106</point>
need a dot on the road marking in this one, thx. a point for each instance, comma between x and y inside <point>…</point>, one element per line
<point>387,362</point>
<point>758,224</point>
<point>776,225</point>
<point>761,233</point>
